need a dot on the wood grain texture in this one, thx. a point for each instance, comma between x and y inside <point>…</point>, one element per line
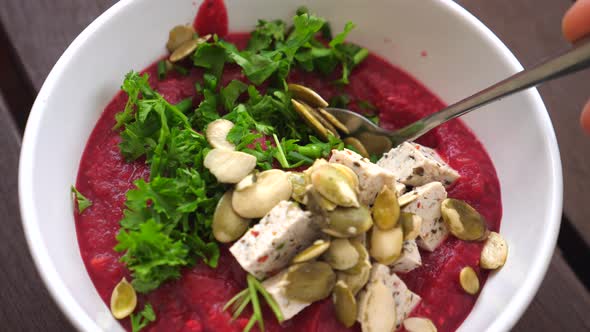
<point>532,31</point>
<point>25,304</point>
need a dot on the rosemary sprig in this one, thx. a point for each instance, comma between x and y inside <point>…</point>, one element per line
<point>250,295</point>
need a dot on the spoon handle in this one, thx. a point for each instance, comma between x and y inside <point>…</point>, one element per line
<point>574,60</point>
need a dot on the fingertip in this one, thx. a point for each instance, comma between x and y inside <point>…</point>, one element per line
<point>576,22</point>
<point>585,118</point>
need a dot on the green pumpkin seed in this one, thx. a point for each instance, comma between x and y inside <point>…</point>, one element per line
<point>494,252</point>
<point>363,256</point>
<point>386,246</point>
<point>419,324</point>
<point>357,281</point>
<point>348,222</point>
<point>179,35</point>
<point>386,210</point>
<point>468,280</point>
<point>123,299</point>
<point>309,282</point>
<point>334,185</point>
<point>322,120</point>
<point>334,121</point>
<point>357,146</point>
<point>344,304</point>
<point>312,252</point>
<point>341,255</point>
<point>187,48</point>
<point>411,224</point>
<point>463,221</point>
<point>299,187</point>
<point>307,95</point>
<point>310,119</point>
<point>227,225</point>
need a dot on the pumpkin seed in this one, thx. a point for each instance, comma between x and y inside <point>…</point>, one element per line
<point>307,95</point>
<point>334,121</point>
<point>468,280</point>
<point>407,198</point>
<point>312,252</point>
<point>357,146</point>
<point>322,120</point>
<point>344,304</point>
<point>353,179</point>
<point>386,210</point>
<point>229,166</point>
<point>299,185</point>
<point>419,324</point>
<point>357,281</point>
<point>310,119</point>
<point>341,255</point>
<point>217,134</point>
<point>386,246</point>
<point>257,200</point>
<point>123,299</point>
<point>348,222</point>
<point>227,225</point>
<point>179,35</point>
<point>246,182</point>
<point>309,282</point>
<point>411,224</point>
<point>334,185</point>
<point>463,221</point>
<point>187,48</point>
<point>494,252</point>
<point>363,256</point>
<point>377,308</point>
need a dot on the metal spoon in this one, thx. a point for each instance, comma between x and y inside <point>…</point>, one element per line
<point>378,140</point>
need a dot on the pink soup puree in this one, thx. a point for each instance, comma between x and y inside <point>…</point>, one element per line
<point>194,302</point>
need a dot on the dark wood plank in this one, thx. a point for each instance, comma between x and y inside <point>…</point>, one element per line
<point>562,303</point>
<point>25,304</point>
<point>41,30</point>
<point>532,30</point>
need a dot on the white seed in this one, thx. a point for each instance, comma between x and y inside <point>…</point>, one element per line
<point>418,324</point>
<point>229,166</point>
<point>407,198</point>
<point>386,246</point>
<point>377,308</point>
<point>246,182</point>
<point>494,253</point>
<point>468,280</point>
<point>257,200</point>
<point>123,299</point>
<point>217,134</point>
<point>227,225</point>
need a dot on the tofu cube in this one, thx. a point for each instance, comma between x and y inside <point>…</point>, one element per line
<point>275,286</point>
<point>427,205</point>
<point>372,178</point>
<point>405,300</point>
<point>270,245</point>
<point>416,165</point>
<point>410,258</point>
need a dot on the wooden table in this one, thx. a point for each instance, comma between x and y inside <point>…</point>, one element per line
<point>35,33</point>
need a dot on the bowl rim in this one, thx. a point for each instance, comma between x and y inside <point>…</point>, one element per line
<point>83,322</point>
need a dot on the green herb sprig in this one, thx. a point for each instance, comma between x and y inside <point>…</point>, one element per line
<point>83,202</point>
<point>250,295</point>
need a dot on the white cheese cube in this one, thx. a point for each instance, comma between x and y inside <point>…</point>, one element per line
<point>416,165</point>
<point>275,286</point>
<point>427,205</point>
<point>270,245</point>
<point>405,300</point>
<point>372,178</point>
<point>410,258</point>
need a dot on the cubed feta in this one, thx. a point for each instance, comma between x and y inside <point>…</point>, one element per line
<point>410,258</point>
<point>427,205</point>
<point>372,178</point>
<point>416,165</point>
<point>270,245</point>
<point>405,300</point>
<point>275,286</point>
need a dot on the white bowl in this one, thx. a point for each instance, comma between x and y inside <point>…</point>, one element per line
<point>463,56</point>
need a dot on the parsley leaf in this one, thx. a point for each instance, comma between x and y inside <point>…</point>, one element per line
<point>210,56</point>
<point>83,202</point>
<point>231,92</point>
<point>143,318</point>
